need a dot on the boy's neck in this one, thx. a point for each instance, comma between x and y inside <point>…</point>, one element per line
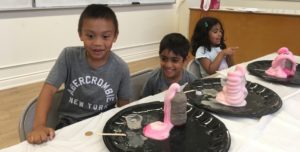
<point>174,80</point>
<point>95,64</point>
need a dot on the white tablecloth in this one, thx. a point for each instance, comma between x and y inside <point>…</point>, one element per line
<point>277,132</point>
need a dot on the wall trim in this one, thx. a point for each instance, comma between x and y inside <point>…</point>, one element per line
<point>36,71</point>
<point>27,63</point>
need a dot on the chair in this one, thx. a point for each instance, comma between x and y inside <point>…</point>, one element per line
<point>27,117</point>
<point>194,68</point>
<point>138,80</point>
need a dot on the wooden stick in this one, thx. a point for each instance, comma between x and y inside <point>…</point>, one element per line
<point>188,91</point>
<point>110,134</point>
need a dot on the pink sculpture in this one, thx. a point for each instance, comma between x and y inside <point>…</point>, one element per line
<point>284,65</point>
<point>234,91</point>
<point>160,130</point>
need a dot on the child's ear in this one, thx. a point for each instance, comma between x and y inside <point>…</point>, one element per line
<point>116,37</point>
<point>80,36</point>
<point>186,61</point>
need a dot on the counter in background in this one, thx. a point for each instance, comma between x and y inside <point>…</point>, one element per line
<point>295,12</point>
<point>256,32</point>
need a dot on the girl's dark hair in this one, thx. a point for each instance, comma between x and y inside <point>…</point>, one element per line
<point>176,43</point>
<point>201,34</point>
<point>98,11</point>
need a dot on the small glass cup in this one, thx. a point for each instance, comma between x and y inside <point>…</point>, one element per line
<point>134,121</point>
<point>223,81</point>
<point>199,90</point>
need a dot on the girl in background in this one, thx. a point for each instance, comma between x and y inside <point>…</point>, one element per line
<point>209,48</point>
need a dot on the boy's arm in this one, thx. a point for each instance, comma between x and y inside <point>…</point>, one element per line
<point>40,133</point>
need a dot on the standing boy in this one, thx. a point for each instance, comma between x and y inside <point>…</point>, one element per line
<point>95,78</point>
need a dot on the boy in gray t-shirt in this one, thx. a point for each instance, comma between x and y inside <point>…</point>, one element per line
<point>95,78</point>
<point>173,52</point>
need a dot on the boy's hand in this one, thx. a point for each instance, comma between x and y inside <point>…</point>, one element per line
<point>230,50</point>
<point>40,134</point>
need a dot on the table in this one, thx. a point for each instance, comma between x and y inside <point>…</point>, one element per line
<point>278,132</point>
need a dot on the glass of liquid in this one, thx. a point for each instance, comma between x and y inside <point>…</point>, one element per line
<point>199,90</point>
<point>134,121</point>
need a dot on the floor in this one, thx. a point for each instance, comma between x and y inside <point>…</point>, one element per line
<point>14,100</point>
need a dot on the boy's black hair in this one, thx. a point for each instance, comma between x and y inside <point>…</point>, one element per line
<point>201,34</point>
<point>98,11</point>
<point>176,43</point>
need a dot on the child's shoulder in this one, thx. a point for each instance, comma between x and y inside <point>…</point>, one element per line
<point>201,49</point>
<point>73,49</point>
<point>155,74</point>
<point>117,63</point>
<point>117,59</point>
<point>72,52</point>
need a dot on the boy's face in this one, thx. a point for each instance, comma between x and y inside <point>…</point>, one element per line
<point>98,36</point>
<point>172,65</point>
<point>215,34</point>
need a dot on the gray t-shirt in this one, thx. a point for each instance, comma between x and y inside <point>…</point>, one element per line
<point>88,91</point>
<point>157,82</point>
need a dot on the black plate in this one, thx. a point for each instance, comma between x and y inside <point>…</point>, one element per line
<point>260,100</point>
<point>258,69</point>
<point>202,132</point>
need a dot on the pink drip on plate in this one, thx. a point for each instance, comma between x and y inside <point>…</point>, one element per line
<point>160,130</point>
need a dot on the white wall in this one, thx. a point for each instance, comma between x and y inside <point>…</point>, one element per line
<point>32,40</point>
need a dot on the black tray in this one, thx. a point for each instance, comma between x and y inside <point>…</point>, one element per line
<point>258,69</point>
<point>202,132</point>
<point>260,100</point>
